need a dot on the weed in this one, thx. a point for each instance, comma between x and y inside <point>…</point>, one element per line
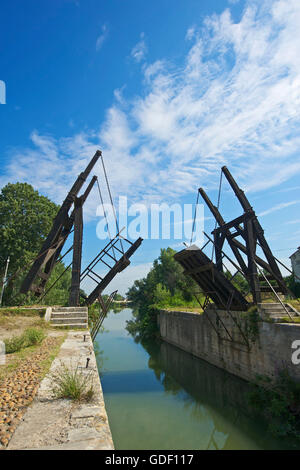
<point>70,382</point>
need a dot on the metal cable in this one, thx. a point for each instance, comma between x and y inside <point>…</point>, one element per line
<point>106,220</point>
<point>195,215</point>
<point>111,200</point>
<point>218,205</point>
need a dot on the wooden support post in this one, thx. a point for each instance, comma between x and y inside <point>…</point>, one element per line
<point>218,252</point>
<point>234,244</point>
<point>252,269</point>
<point>77,252</point>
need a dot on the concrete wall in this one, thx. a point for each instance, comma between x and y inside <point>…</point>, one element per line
<point>295,259</point>
<point>270,353</point>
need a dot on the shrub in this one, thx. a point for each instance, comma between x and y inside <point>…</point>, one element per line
<point>33,336</point>
<point>70,382</point>
<point>14,344</point>
<point>30,337</point>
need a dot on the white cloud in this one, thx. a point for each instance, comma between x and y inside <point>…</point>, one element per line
<point>190,33</point>
<point>278,207</point>
<point>102,37</point>
<point>139,50</point>
<point>292,222</point>
<point>234,100</point>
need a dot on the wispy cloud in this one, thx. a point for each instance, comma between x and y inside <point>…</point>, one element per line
<point>139,50</point>
<point>233,100</point>
<point>190,33</point>
<point>102,37</point>
<point>288,189</point>
<point>278,207</point>
<point>292,222</point>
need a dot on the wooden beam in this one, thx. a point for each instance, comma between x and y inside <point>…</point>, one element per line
<point>77,253</point>
<point>199,269</point>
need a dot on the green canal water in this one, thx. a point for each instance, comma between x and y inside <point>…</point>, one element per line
<point>159,397</point>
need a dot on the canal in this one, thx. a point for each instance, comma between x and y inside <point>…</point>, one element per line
<point>160,397</point>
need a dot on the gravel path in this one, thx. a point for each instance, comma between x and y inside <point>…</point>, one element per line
<point>19,388</point>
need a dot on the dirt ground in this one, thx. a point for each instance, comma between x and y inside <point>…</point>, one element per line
<point>15,325</point>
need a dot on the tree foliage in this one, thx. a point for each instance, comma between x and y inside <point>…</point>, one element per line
<point>165,285</point>
<point>238,281</point>
<point>25,220</point>
<point>293,285</point>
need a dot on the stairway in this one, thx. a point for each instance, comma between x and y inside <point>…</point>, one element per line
<point>72,317</point>
<point>276,311</point>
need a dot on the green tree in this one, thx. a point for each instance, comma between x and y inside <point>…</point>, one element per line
<point>165,285</point>
<point>59,294</point>
<point>170,274</point>
<point>25,221</point>
<point>119,297</point>
<point>293,285</point>
<point>238,281</point>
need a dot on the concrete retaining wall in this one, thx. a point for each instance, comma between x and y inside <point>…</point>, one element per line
<point>268,354</point>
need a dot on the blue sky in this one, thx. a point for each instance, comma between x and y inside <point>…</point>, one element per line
<point>170,91</point>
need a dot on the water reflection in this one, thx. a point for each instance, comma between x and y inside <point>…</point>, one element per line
<point>211,394</point>
<point>160,397</point>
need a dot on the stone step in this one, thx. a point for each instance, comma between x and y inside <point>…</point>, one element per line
<point>71,325</point>
<point>274,307</point>
<point>69,315</point>
<point>276,311</point>
<point>69,309</point>
<point>66,321</point>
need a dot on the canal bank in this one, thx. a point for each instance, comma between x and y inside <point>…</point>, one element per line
<point>62,424</point>
<point>158,396</point>
<point>232,343</point>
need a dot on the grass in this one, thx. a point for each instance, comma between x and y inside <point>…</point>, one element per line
<point>13,318</point>
<point>46,363</point>
<point>19,357</point>
<point>295,303</point>
<point>289,320</point>
<point>24,312</point>
<point>70,382</point>
<point>30,337</point>
<point>66,327</point>
<point>181,308</point>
